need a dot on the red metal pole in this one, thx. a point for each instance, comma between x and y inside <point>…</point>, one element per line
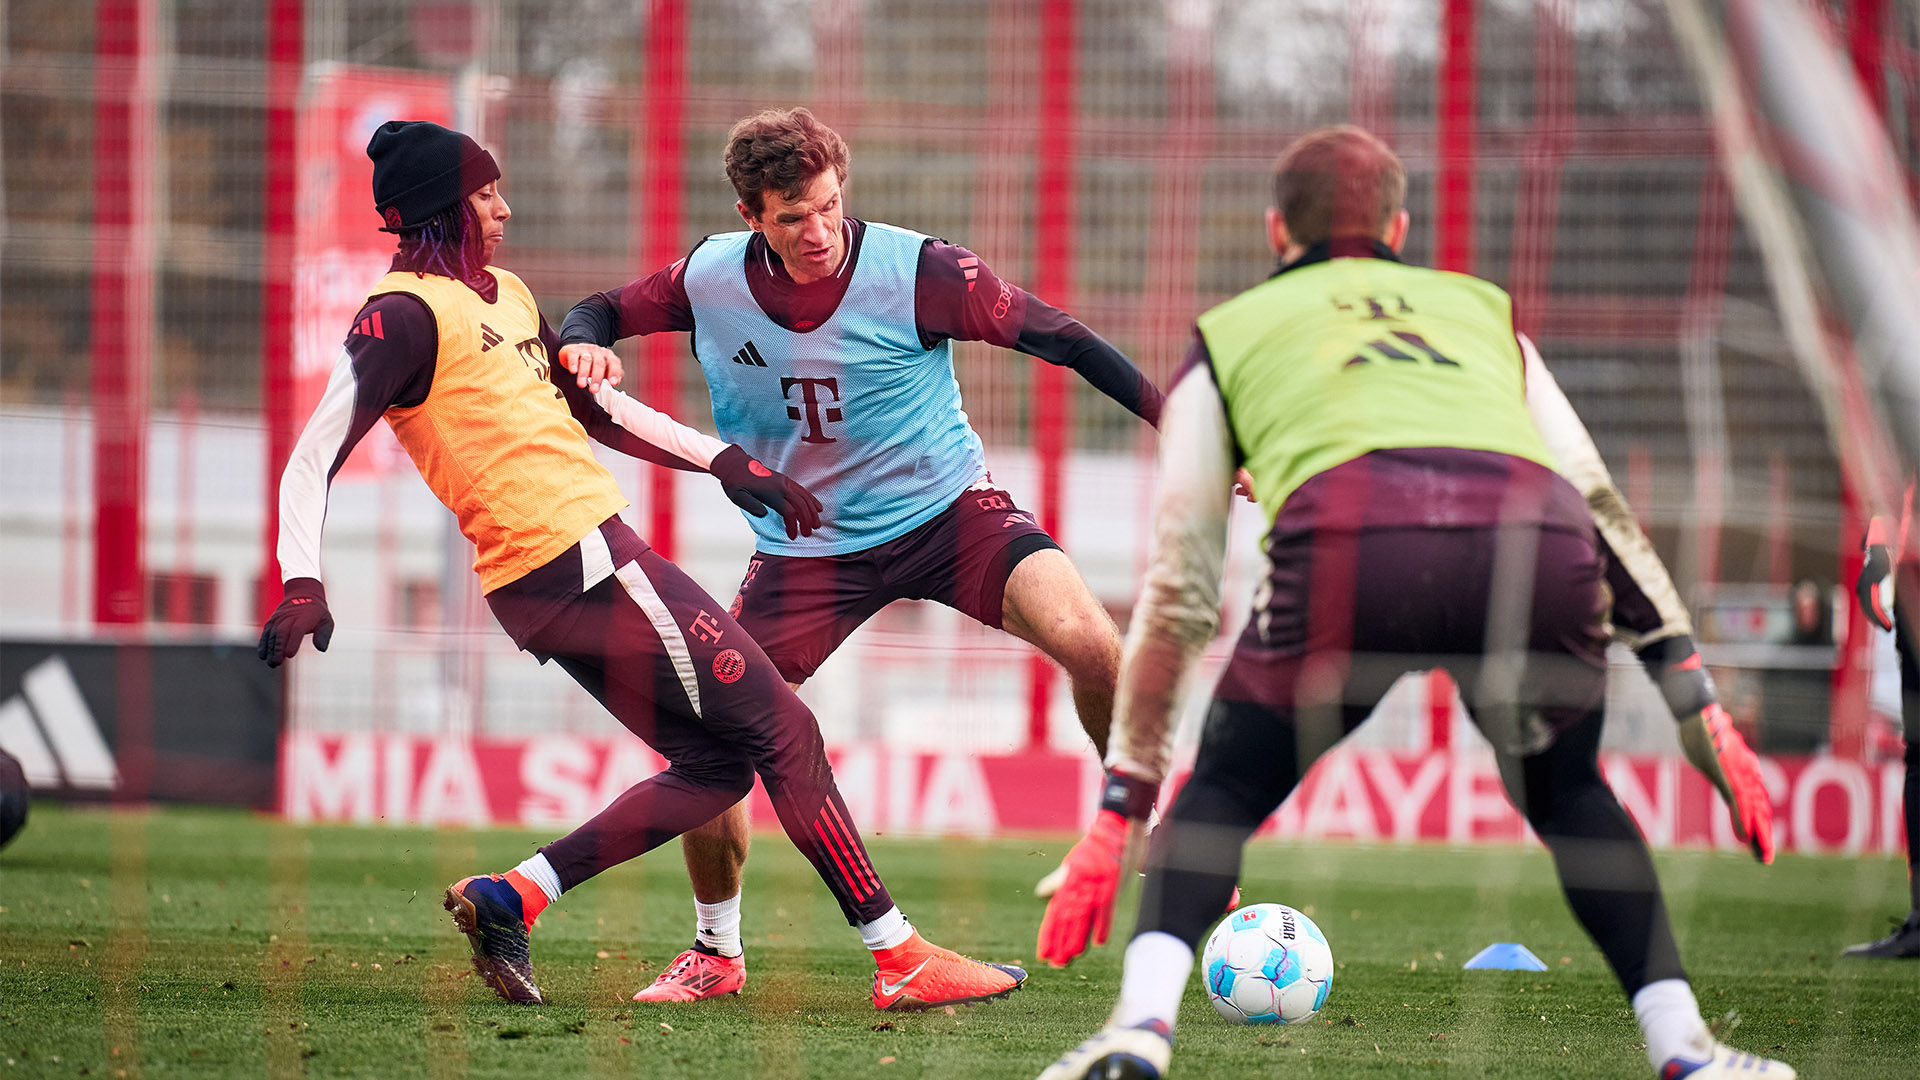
<point>662,113</point>
<point>1055,204</point>
<point>119,338</point>
<point>286,60</point>
<point>1454,139</point>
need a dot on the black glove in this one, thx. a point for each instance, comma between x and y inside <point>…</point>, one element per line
<point>1674,665</point>
<point>1874,586</point>
<point>755,488</point>
<point>302,611</point>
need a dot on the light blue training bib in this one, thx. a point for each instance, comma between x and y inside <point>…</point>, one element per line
<point>856,408</point>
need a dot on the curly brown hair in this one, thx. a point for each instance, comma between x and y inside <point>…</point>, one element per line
<point>781,150</point>
<point>1338,181</point>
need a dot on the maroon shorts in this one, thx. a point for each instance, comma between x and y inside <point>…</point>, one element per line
<point>1515,612</point>
<point>800,608</point>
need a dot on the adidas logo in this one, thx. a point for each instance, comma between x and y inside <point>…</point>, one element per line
<point>970,268</point>
<point>50,729</point>
<point>370,327</point>
<point>489,337</point>
<point>749,356</point>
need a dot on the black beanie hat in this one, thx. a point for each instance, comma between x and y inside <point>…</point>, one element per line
<point>421,168</point>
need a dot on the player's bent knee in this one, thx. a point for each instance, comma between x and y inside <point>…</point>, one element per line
<point>731,775</point>
<point>1083,641</point>
<point>725,828</point>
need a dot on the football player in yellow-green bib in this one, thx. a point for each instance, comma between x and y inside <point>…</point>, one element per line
<point>1415,520</point>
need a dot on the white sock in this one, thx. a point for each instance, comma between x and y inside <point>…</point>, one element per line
<point>1670,1020</point>
<point>539,871</point>
<point>717,926</point>
<point>1152,979</point>
<point>886,931</point>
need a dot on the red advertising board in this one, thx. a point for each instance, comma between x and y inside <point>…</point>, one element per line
<point>1822,805</point>
<point>339,250</point>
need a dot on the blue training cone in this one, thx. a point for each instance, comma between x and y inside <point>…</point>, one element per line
<point>1505,956</point>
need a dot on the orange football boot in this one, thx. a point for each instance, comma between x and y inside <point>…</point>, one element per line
<point>917,974</point>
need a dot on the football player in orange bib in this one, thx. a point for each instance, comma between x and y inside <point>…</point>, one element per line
<point>454,353</point>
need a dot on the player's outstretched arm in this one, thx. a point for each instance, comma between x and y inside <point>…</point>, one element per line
<point>303,513</point>
<point>957,295</point>
<point>587,375</point>
<point>1659,631</point>
<point>1874,586</point>
<point>1579,461</point>
<point>1064,341</point>
<point>388,359</point>
<point>648,433</point>
<point>1176,615</point>
<point>647,305</point>
<point>593,321</point>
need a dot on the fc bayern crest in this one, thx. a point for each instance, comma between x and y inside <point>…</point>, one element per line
<point>729,666</point>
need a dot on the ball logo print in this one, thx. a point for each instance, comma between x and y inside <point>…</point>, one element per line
<point>729,666</point>
<point>1267,964</point>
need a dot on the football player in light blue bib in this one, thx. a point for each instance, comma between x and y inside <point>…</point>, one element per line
<point>826,343</point>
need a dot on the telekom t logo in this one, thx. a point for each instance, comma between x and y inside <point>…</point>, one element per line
<point>811,400</point>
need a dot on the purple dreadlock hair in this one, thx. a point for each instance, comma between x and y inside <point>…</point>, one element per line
<point>448,245</point>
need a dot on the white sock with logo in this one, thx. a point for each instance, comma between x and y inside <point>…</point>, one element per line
<point>717,926</point>
<point>1670,1021</point>
<point>1152,979</point>
<point>539,871</point>
<point>886,931</point>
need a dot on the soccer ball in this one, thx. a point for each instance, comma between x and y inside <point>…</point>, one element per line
<point>1267,964</point>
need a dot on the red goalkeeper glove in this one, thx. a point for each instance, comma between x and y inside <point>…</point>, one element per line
<point>1081,909</point>
<point>1716,749</point>
<point>1708,736</point>
<point>1874,586</point>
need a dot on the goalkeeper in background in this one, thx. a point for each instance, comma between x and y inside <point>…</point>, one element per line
<point>1416,520</point>
<point>1886,555</point>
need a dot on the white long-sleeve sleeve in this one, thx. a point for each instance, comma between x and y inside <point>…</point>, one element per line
<point>1178,611</point>
<point>653,426</point>
<point>1579,461</point>
<point>329,434</point>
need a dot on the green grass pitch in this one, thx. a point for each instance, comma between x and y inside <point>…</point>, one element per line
<point>196,943</point>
